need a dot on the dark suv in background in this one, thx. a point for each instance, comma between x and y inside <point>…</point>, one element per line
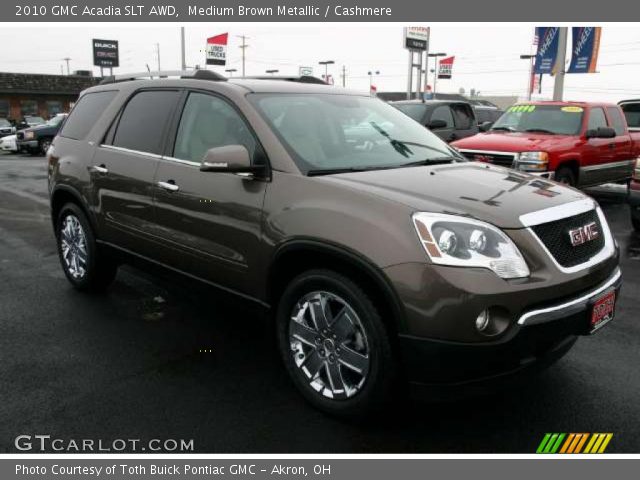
<point>384,255</point>
<point>450,120</point>
<point>37,139</point>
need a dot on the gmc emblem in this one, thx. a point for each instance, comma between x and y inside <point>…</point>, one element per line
<point>584,234</point>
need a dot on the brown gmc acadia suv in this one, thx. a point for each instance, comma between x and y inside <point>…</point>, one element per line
<point>385,256</point>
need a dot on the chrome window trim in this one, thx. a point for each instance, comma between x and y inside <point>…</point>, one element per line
<point>608,250</point>
<point>179,160</point>
<point>128,150</point>
<point>577,303</point>
<point>558,212</point>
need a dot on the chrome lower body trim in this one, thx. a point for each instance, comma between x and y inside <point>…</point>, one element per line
<point>571,307</point>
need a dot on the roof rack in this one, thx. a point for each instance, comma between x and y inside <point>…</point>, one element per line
<point>286,78</point>
<point>191,74</point>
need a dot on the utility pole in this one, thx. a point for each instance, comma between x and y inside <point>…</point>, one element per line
<point>243,47</point>
<point>67,59</point>
<point>158,51</point>
<point>184,60</point>
<point>344,76</point>
<point>531,74</point>
<point>558,86</point>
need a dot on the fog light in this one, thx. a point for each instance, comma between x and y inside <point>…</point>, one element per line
<point>483,320</point>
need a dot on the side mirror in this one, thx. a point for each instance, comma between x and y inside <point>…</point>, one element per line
<point>230,158</point>
<point>485,126</point>
<point>436,124</point>
<point>600,132</point>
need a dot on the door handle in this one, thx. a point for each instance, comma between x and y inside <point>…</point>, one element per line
<point>100,168</point>
<point>169,185</point>
<point>612,146</point>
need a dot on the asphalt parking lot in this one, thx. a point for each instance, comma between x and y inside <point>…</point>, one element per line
<point>131,363</point>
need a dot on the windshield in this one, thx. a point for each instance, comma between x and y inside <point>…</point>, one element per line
<point>325,132</point>
<point>551,119</point>
<point>4,122</point>
<point>415,111</point>
<point>34,120</point>
<point>55,120</point>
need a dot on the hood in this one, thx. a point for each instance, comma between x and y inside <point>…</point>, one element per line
<point>515,142</point>
<point>489,193</point>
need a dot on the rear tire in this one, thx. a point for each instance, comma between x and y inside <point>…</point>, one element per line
<point>334,344</point>
<point>44,145</point>
<point>85,266</point>
<point>566,175</point>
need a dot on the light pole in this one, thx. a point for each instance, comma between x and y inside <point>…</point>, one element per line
<point>530,83</point>
<point>326,64</point>
<point>435,71</point>
<point>230,71</point>
<point>272,71</point>
<point>371,73</point>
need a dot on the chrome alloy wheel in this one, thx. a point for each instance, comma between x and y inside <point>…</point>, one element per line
<point>73,244</point>
<point>329,345</point>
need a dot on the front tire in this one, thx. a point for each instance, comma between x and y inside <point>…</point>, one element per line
<point>83,264</point>
<point>44,145</point>
<point>335,345</point>
<point>566,175</point>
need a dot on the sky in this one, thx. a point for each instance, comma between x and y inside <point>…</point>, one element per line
<point>487,55</point>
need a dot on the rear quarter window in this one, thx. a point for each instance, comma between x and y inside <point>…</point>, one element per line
<point>86,113</point>
<point>617,120</point>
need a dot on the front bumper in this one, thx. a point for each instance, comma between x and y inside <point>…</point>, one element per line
<point>27,145</point>
<point>539,333</point>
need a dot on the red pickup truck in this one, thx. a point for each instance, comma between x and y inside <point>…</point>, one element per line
<point>577,143</point>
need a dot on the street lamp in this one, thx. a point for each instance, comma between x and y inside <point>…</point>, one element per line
<point>272,71</point>
<point>230,71</point>
<point>326,63</point>
<point>371,73</point>
<point>435,70</point>
<point>530,84</point>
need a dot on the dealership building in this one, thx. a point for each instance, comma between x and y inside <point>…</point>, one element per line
<point>42,95</point>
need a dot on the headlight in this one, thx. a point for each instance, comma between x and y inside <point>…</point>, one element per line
<point>532,161</point>
<point>464,242</point>
<point>28,135</point>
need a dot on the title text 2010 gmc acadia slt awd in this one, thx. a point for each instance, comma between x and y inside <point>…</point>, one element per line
<point>385,255</point>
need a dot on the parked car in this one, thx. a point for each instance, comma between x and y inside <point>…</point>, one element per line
<point>38,139</point>
<point>8,144</point>
<point>29,121</point>
<point>448,119</point>
<point>577,143</point>
<point>631,109</point>
<point>383,256</point>
<point>6,128</point>
<point>486,116</point>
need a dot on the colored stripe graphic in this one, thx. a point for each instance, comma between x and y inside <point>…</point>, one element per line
<point>574,443</point>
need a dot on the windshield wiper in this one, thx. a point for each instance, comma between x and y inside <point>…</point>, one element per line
<point>540,130</point>
<point>430,161</point>
<point>504,129</point>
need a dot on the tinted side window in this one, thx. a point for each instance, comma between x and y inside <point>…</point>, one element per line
<point>142,123</point>
<point>463,115</point>
<point>209,122</point>
<point>415,111</point>
<point>483,116</point>
<point>632,112</point>
<point>85,114</point>
<point>596,119</point>
<point>617,121</point>
<point>443,112</point>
